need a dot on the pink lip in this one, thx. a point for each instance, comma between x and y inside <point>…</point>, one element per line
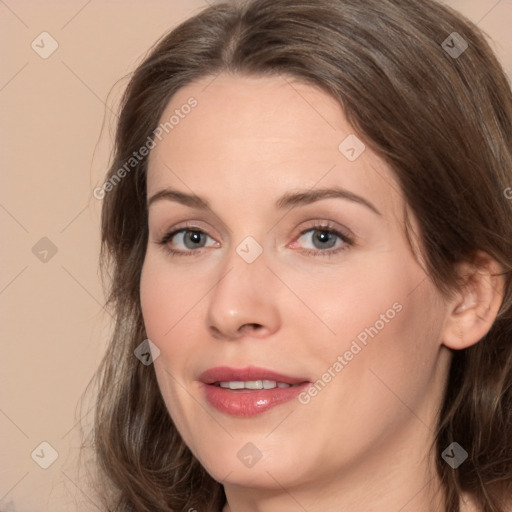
<point>245,402</point>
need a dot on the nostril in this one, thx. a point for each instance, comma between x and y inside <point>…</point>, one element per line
<point>251,327</point>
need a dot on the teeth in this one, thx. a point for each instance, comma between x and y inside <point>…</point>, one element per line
<point>234,384</point>
<point>253,384</point>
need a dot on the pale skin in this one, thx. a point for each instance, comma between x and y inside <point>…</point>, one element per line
<point>363,443</point>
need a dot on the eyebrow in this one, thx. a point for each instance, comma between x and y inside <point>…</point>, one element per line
<point>288,200</point>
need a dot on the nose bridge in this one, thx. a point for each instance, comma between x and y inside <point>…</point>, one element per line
<point>243,293</point>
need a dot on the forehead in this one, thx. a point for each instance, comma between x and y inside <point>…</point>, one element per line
<point>269,134</point>
<point>274,110</point>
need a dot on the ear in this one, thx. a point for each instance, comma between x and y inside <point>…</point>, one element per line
<point>476,304</point>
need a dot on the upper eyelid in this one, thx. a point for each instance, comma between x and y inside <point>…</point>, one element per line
<point>327,225</point>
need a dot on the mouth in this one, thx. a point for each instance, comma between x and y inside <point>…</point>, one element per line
<point>250,391</point>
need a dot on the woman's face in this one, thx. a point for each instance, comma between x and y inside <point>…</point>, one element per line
<point>278,282</point>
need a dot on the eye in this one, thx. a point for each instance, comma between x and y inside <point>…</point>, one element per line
<point>190,239</point>
<point>326,240</point>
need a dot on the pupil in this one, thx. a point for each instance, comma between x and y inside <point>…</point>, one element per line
<point>195,237</point>
<point>324,236</point>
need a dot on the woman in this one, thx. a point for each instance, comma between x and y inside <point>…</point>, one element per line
<point>310,241</point>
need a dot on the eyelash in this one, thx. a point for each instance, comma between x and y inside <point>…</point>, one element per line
<point>325,228</point>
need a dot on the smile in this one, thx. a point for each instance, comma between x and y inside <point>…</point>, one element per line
<point>248,391</point>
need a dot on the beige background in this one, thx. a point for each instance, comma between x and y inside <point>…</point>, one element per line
<point>56,130</point>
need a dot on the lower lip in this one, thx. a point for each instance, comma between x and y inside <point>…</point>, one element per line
<point>246,403</point>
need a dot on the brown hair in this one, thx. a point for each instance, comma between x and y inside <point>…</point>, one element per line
<point>442,121</point>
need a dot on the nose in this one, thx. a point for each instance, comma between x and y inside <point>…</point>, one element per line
<point>244,301</point>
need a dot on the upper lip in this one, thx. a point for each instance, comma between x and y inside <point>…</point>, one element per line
<point>227,374</point>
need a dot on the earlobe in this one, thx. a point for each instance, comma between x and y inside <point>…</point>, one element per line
<point>475,306</point>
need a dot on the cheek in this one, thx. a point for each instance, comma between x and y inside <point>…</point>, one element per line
<point>167,297</point>
<point>164,306</point>
<point>362,302</point>
<point>399,354</point>
<point>171,308</point>
<point>381,330</point>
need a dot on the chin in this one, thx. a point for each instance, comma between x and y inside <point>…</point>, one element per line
<point>257,464</point>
